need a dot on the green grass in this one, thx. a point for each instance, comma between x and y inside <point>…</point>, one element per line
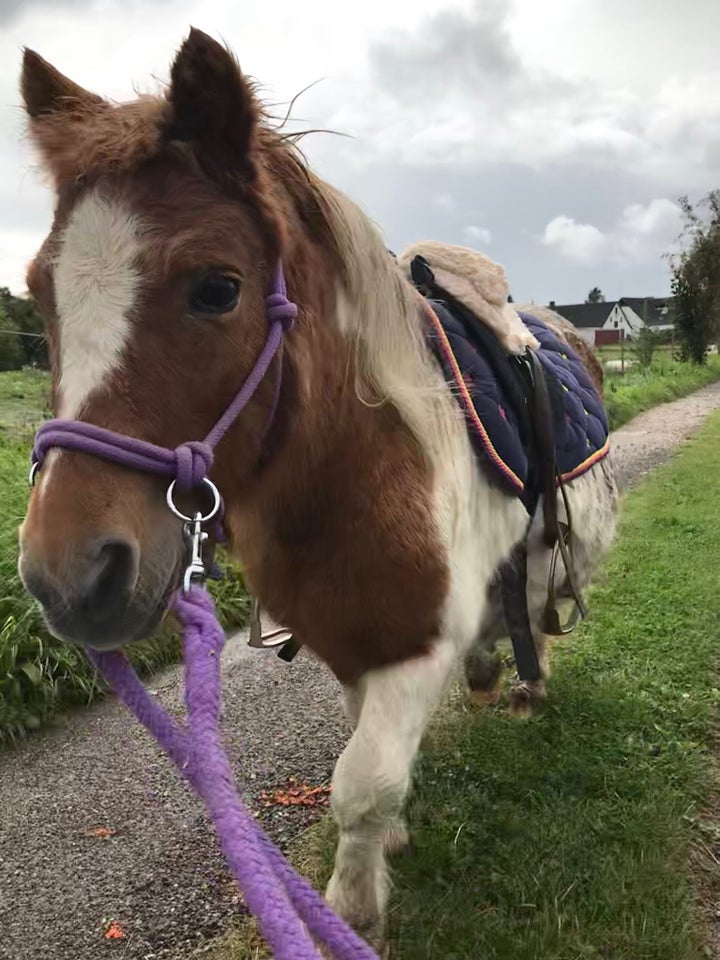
<point>637,390</point>
<point>569,836</point>
<point>38,674</point>
<point>24,400</point>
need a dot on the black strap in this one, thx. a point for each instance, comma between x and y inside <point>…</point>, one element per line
<point>544,442</point>
<point>513,586</point>
<point>290,649</point>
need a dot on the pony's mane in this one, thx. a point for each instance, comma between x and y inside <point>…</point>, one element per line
<point>383,317</point>
<point>378,311</point>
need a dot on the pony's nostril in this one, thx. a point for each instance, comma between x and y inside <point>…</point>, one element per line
<point>111,579</point>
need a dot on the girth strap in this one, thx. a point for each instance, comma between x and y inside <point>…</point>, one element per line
<point>513,586</point>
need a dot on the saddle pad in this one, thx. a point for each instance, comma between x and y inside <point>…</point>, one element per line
<point>482,382</point>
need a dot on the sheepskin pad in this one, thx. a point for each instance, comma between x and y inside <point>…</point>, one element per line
<point>479,284</point>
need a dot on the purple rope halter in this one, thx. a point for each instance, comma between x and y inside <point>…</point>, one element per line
<point>293,916</point>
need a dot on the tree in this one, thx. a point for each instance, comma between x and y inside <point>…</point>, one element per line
<point>695,280</point>
<point>24,316</point>
<point>11,354</point>
<point>595,296</point>
<point>644,344</point>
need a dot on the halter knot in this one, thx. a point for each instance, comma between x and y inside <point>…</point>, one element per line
<point>281,310</point>
<point>193,460</point>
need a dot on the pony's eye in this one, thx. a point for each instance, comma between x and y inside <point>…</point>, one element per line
<point>215,292</point>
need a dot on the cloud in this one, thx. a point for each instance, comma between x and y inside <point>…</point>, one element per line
<point>463,50</point>
<point>497,114</point>
<point>641,234</point>
<point>649,231</point>
<point>454,90</point>
<point>445,202</point>
<point>477,235</point>
<point>581,242</point>
<point>13,9</point>
<point>17,248</point>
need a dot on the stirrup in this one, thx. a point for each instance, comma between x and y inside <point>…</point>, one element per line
<point>551,618</point>
<point>551,621</point>
<point>265,641</point>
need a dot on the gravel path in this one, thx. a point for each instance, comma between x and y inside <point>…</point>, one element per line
<point>159,874</point>
<point>651,438</point>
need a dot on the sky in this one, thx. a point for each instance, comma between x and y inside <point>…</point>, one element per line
<point>554,135</point>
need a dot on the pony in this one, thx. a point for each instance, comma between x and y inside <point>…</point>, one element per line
<point>352,496</point>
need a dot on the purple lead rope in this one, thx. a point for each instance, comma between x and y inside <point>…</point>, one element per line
<point>292,915</point>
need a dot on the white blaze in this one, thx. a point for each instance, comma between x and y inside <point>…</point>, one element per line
<point>97,275</point>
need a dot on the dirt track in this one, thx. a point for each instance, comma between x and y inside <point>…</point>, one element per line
<point>160,875</point>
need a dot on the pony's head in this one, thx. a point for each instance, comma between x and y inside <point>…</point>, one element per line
<point>169,218</point>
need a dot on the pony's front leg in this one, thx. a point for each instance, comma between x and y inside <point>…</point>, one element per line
<point>371,780</point>
<point>395,835</point>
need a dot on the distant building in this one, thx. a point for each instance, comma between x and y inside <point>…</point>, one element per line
<point>631,313</point>
<point>599,323</point>
<point>587,318</point>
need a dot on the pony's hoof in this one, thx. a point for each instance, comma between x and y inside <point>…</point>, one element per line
<point>360,913</point>
<point>526,698</point>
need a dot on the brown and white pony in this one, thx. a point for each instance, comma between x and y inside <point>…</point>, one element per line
<point>361,518</point>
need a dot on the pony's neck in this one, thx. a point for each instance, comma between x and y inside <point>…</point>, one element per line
<point>341,518</point>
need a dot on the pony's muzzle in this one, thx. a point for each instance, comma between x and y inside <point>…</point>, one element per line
<point>91,601</point>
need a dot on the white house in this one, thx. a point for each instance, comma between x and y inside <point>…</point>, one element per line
<point>630,314</point>
<point>606,322</point>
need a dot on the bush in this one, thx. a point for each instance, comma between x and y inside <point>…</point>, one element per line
<point>11,353</point>
<point>666,379</point>
<point>643,346</point>
<point>24,316</point>
<point>695,279</point>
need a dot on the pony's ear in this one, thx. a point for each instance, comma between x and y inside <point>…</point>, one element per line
<point>213,106</point>
<point>47,92</point>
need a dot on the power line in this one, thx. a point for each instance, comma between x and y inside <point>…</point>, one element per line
<point>23,333</point>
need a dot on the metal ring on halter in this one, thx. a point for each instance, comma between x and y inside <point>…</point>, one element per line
<point>202,519</point>
<point>34,470</point>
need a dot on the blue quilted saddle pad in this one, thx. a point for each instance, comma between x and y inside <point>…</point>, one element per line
<point>483,385</point>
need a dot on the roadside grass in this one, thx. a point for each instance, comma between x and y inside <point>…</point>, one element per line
<point>574,835</point>
<point>39,675</point>
<point>628,394</point>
